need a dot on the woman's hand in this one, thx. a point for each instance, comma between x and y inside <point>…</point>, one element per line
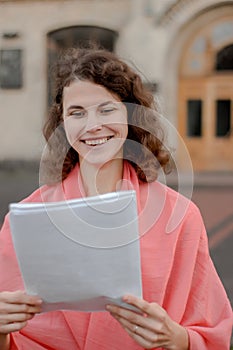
<point>151,329</point>
<point>16,308</point>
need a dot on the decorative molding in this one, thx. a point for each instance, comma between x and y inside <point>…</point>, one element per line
<point>170,12</point>
<point>174,11</point>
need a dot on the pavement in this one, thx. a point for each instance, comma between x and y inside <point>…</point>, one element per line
<point>212,192</point>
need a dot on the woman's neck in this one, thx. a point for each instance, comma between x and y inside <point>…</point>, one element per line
<point>103,179</point>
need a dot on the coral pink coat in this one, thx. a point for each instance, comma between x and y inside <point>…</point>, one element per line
<point>177,273</point>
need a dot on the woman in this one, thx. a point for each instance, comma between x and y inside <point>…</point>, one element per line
<point>103,130</point>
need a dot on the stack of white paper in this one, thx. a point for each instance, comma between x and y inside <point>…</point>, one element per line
<point>79,254</point>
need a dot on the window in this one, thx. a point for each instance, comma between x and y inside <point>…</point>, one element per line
<point>64,38</point>
<point>194,118</point>
<point>10,69</point>
<point>224,59</point>
<point>223,118</point>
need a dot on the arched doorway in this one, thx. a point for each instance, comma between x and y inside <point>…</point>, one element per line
<point>64,38</point>
<point>205,112</point>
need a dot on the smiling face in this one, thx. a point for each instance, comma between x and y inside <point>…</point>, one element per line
<point>95,122</point>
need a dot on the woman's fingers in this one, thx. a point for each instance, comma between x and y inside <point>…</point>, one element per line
<point>19,297</point>
<point>150,309</point>
<point>13,322</point>
<point>12,327</point>
<point>138,329</point>
<point>152,316</point>
<point>151,328</point>
<point>128,315</point>
<point>16,308</point>
<point>6,308</point>
<point>9,318</point>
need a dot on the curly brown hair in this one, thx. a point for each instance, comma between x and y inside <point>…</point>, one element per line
<point>144,147</point>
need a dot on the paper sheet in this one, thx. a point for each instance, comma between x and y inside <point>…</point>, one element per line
<point>79,254</point>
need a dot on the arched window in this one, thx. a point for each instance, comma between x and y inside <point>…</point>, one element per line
<point>224,59</point>
<point>64,38</point>
<point>81,35</point>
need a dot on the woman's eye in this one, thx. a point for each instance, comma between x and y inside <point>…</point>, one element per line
<point>78,114</point>
<point>107,110</point>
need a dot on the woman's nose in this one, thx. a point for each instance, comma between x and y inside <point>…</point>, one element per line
<point>93,122</point>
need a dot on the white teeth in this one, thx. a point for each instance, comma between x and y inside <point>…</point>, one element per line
<point>96,142</point>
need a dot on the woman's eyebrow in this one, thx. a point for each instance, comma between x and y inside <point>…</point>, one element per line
<point>106,103</point>
<point>74,107</point>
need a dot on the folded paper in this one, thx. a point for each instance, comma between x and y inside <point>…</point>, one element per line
<point>79,254</point>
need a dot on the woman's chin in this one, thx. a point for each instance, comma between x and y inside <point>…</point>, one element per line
<point>101,158</point>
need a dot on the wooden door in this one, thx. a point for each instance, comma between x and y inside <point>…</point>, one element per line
<point>206,121</point>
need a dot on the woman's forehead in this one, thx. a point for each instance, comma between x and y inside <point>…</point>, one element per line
<point>86,94</point>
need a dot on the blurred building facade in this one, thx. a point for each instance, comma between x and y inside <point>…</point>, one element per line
<point>182,48</point>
